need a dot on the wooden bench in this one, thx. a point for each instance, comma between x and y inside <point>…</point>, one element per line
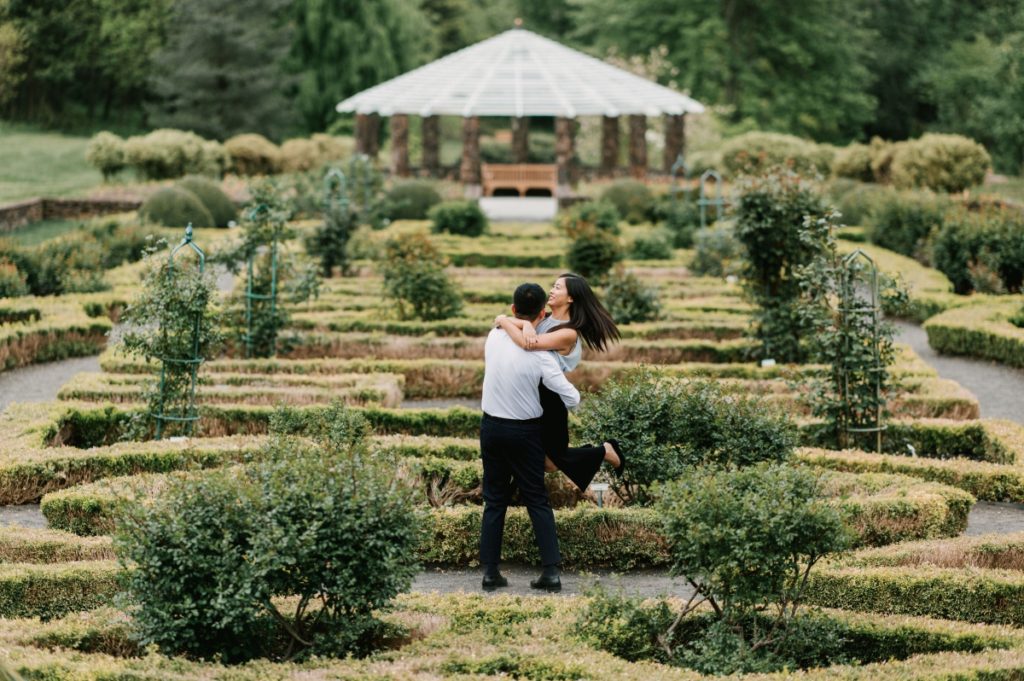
<point>519,177</point>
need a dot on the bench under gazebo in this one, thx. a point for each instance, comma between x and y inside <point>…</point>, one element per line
<point>519,74</point>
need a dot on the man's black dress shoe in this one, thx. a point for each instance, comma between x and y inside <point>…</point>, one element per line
<point>622,457</point>
<point>495,581</point>
<point>548,581</point>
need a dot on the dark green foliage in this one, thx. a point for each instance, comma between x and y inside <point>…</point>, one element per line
<point>628,300</point>
<point>175,207</point>
<point>601,216</point>
<point>324,523</point>
<point>655,245</point>
<point>718,252</point>
<point>757,152</point>
<point>981,251</point>
<point>411,200</point>
<point>668,426</point>
<point>681,218</point>
<point>458,217</point>
<point>1018,319</point>
<point>330,241</point>
<point>776,224</point>
<point>220,70</point>
<point>593,253</point>
<point>631,198</point>
<point>12,281</point>
<point>415,280</point>
<point>629,627</point>
<point>903,221</point>
<point>941,163</point>
<point>857,201</point>
<point>221,208</point>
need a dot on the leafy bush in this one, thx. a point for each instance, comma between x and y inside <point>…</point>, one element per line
<point>411,200</point>
<point>175,207</point>
<point>631,198</point>
<point>655,245</point>
<point>299,155</point>
<point>253,154</point>
<point>167,153</point>
<point>903,221</point>
<point>67,265</point>
<point>755,152</point>
<point>221,208</point>
<point>330,242</point>
<point>12,281</point>
<point>718,252</point>
<point>415,280</point>
<point>589,216</point>
<point>942,163</point>
<point>458,217</point>
<point>326,524</point>
<point>681,218</point>
<point>628,300</point>
<point>856,201</point>
<point>981,251</point>
<point>106,153</point>
<point>854,162</point>
<point>593,253</point>
<point>668,426</point>
<point>882,154</point>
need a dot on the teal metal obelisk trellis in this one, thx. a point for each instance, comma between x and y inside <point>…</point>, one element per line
<point>260,212</point>
<point>704,201</point>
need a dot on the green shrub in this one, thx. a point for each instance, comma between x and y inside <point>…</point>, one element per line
<point>854,162</point>
<point>411,200</point>
<point>221,208</point>
<point>168,153</point>
<point>299,155</point>
<point>329,526</point>
<point>882,154</point>
<point>631,198</point>
<point>942,163</point>
<point>592,255</point>
<point>903,221</point>
<point>415,280</point>
<point>106,153</point>
<point>628,300</point>
<point>458,217</point>
<point>755,152</point>
<point>68,265</point>
<point>12,281</point>
<point>668,426</point>
<point>858,202</point>
<point>175,207</point>
<point>590,216</point>
<point>981,251</point>
<point>253,154</point>
<point>718,252</point>
<point>654,245</point>
<point>681,218</point>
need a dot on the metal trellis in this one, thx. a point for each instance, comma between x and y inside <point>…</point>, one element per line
<point>718,202</point>
<point>261,210</point>
<point>677,167</point>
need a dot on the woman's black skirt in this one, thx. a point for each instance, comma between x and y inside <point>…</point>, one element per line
<point>580,464</point>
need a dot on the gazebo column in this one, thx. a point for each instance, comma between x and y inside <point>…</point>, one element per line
<point>430,130</point>
<point>638,146</point>
<point>400,145</point>
<point>609,145</point>
<point>469,171</point>
<point>674,138</point>
<point>564,152</point>
<point>520,139</point>
<point>361,138</point>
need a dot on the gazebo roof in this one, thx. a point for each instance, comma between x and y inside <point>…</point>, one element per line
<point>519,73</point>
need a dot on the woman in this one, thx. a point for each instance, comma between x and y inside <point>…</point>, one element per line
<point>577,317</point>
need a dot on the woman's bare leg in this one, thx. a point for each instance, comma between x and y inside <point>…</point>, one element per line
<point>610,456</point>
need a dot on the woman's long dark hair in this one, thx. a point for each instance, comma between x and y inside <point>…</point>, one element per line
<point>587,315</point>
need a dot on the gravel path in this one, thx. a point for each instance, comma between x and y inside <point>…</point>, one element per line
<point>40,382</point>
<point>999,389</point>
<point>646,583</point>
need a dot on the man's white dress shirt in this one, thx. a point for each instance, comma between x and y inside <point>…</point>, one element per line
<point>512,375</point>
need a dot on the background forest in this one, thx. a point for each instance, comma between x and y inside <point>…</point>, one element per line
<point>832,70</point>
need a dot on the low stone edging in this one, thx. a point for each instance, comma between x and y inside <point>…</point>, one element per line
<point>15,215</point>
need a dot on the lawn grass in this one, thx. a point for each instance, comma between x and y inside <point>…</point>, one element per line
<point>38,232</point>
<point>1012,188</point>
<point>34,164</point>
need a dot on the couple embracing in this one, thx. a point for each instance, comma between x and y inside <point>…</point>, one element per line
<point>525,429</point>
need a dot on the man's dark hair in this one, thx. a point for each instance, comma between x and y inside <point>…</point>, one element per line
<point>529,300</point>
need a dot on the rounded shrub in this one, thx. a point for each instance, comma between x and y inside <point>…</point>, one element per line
<point>175,207</point>
<point>902,221</point>
<point>681,218</point>
<point>415,280</point>
<point>167,154</point>
<point>942,163</point>
<point>593,254</point>
<point>718,253</point>
<point>981,251</point>
<point>214,161</point>
<point>654,245</point>
<point>667,426</point>
<point>13,282</point>
<point>882,154</point>
<point>253,154</point>
<point>221,208</point>
<point>628,300</point>
<point>856,200</point>
<point>755,152</point>
<point>106,153</point>
<point>298,155</point>
<point>411,200</point>
<point>853,162</point>
<point>458,217</point>
<point>631,198</point>
<point>592,215</point>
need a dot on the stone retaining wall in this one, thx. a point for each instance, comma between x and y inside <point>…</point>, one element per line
<point>15,215</point>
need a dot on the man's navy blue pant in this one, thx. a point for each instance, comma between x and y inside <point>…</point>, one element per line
<point>513,451</point>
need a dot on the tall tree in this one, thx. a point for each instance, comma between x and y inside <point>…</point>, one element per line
<point>220,72</point>
<point>791,70</point>
<point>459,23</point>
<point>344,46</point>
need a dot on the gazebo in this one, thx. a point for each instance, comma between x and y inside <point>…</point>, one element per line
<point>519,74</point>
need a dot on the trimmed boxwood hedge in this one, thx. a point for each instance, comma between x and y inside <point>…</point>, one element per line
<point>981,329</point>
<point>53,590</point>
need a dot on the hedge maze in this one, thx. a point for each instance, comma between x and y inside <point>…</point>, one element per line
<point>912,599</point>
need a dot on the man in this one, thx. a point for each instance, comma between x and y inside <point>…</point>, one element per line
<point>510,441</point>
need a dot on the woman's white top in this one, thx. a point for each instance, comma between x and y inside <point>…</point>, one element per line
<point>566,362</point>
